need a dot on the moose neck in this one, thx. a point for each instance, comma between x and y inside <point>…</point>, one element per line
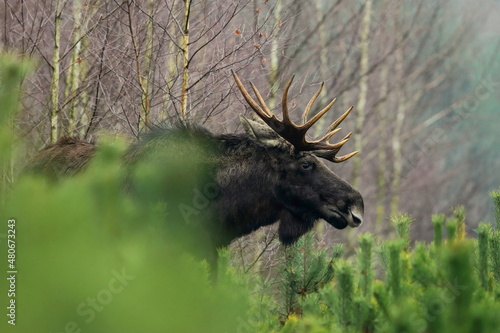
<point>245,178</point>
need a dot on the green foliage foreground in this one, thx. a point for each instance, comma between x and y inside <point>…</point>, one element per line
<point>91,257</point>
<point>448,285</point>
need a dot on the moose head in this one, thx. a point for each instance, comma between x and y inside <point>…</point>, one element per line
<point>290,177</point>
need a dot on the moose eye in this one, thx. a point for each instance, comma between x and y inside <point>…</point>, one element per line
<point>306,165</point>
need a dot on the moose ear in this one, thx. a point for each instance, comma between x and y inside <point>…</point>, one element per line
<point>260,133</point>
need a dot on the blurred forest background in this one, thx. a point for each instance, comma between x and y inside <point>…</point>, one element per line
<point>423,76</point>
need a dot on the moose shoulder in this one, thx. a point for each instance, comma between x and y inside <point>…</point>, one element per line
<point>269,174</point>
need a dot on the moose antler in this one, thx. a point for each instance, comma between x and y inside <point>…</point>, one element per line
<point>296,134</point>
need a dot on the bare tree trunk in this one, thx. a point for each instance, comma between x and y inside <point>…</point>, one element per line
<point>273,75</point>
<point>73,76</point>
<point>81,116</point>
<point>381,150</point>
<point>323,60</point>
<point>172,62</point>
<point>185,59</point>
<point>54,112</point>
<point>363,90</point>
<point>396,138</point>
<point>148,54</point>
<point>144,118</point>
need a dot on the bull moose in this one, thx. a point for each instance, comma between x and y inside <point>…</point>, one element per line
<point>270,173</point>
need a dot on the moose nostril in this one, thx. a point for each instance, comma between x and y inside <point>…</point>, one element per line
<point>357,218</point>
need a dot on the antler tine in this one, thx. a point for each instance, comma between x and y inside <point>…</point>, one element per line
<point>263,114</point>
<point>284,103</point>
<point>329,135</point>
<point>320,114</point>
<point>261,100</point>
<point>347,136</point>
<point>339,120</point>
<point>311,102</point>
<point>344,158</point>
<point>331,150</point>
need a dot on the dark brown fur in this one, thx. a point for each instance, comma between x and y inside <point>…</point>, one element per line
<point>66,157</point>
<point>259,178</point>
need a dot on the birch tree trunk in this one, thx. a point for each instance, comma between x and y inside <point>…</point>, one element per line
<point>323,60</point>
<point>185,60</point>
<point>381,151</point>
<point>363,90</point>
<point>274,56</point>
<point>74,73</point>
<point>54,88</point>
<point>396,138</point>
<point>147,65</point>
<point>172,63</point>
<point>144,117</point>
